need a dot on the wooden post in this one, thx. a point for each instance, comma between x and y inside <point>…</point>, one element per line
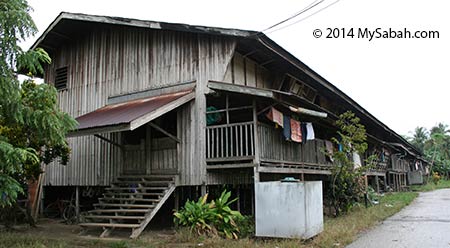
<point>385,183</point>
<point>377,185</point>
<point>77,203</point>
<point>253,200</point>
<point>238,194</point>
<point>257,159</point>
<point>203,189</point>
<point>177,200</point>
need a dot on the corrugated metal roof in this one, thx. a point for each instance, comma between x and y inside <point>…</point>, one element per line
<point>132,114</point>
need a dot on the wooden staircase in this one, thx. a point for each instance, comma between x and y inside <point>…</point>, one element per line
<point>131,202</point>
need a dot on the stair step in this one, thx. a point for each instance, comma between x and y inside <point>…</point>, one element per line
<point>144,183</point>
<point>146,176</point>
<point>110,225</point>
<point>133,194</point>
<point>128,199</point>
<point>137,188</point>
<point>118,210</point>
<point>118,217</point>
<point>123,205</point>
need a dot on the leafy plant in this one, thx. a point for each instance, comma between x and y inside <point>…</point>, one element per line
<point>211,218</point>
<point>196,215</point>
<point>436,178</point>
<point>347,181</point>
<point>224,219</point>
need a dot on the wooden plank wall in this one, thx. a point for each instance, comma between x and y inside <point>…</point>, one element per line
<point>244,71</point>
<point>215,53</point>
<point>163,157</point>
<point>119,60</point>
<point>275,147</point>
<point>101,162</point>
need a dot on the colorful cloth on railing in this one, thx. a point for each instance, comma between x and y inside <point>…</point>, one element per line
<point>296,132</point>
<point>309,131</point>
<point>287,127</point>
<point>275,116</point>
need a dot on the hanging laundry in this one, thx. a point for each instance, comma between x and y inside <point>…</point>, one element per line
<point>287,127</point>
<point>275,116</point>
<point>296,132</point>
<point>356,160</point>
<point>329,148</point>
<point>304,131</point>
<point>309,131</point>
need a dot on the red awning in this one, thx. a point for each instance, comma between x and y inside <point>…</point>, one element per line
<point>130,115</point>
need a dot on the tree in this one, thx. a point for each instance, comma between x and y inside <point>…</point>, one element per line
<point>419,138</point>
<point>435,145</point>
<point>437,149</point>
<point>347,182</point>
<point>32,128</point>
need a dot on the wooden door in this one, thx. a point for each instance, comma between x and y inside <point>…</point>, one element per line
<point>135,159</point>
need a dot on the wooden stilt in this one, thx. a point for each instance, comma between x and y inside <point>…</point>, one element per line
<point>77,203</point>
<point>377,184</point>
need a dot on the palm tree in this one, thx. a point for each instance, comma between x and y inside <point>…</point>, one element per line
<point>419,138</point>
<point>437,148</point>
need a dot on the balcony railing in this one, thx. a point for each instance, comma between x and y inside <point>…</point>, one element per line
<point>275,150</point>
<point>230,142</point>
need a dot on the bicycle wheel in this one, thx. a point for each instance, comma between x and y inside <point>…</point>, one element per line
<point>52,210</point>
<point>70,214</point>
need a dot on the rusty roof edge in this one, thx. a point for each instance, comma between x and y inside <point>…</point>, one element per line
<point>143,24</point>
<point>184,86</point>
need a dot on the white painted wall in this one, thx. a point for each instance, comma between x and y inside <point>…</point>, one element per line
<point>288,209</point>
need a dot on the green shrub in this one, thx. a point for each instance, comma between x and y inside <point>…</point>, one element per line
<point>436,178</point>
<point>196,216</point>
<point>246,226</point>
<point>211,218</point>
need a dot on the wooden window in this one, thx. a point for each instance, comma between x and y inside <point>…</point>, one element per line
<point>61,78</point>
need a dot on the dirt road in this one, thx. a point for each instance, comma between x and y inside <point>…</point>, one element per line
<point>424,223</point>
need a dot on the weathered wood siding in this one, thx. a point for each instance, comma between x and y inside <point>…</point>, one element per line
<point>92,162</point>
<point>163,156</point>
<point>119,60</point>
<point>215,54</point>
<point>244,71</point>
<point>274,147</point>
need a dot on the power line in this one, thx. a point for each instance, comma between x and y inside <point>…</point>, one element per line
<point>310,6</point>
<point>306,17</point>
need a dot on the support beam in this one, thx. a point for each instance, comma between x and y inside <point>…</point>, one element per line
<point>108,140</point>
<point>257,159</point>
<point>310,112</point>
<point>164,132</point>
<point>240,89</point>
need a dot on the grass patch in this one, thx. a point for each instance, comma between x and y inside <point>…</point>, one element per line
<point>338,232</point>
<point>11,239</point>
<point>442,184</point>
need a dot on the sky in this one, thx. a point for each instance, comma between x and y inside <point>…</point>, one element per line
<point>401,81</point>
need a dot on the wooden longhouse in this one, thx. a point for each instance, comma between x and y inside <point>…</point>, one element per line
<point>164,106</point>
